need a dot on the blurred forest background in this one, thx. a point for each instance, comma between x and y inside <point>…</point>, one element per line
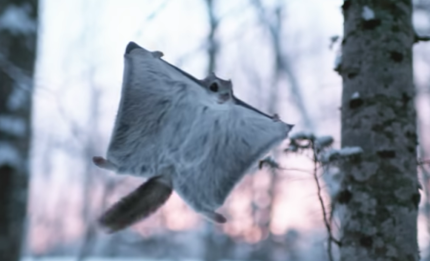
<point>280,56</point>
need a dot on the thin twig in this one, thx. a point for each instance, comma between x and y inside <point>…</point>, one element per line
<point>326,221</point>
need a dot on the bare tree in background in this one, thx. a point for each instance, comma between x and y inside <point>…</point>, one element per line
<point>282,63</point>
<point>272,21</point>
<point>212,43</point>
<point>379,190</point>
<point>91,177</point>
<point>18,34</point>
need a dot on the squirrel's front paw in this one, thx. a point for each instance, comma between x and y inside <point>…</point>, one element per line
<point>275,117</point>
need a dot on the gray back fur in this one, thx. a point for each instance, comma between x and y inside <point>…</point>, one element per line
<point>167,124</point>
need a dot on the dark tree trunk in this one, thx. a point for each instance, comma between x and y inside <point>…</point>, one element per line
<point>380,187</point>
<point>17,57</point>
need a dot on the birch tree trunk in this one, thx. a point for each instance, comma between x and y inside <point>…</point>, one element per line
<point>17,57</point>
<point>380,188</point>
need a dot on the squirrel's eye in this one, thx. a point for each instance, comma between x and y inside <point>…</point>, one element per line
<point>214,87</point>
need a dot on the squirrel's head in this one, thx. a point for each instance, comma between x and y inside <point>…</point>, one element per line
<point>223,89</point>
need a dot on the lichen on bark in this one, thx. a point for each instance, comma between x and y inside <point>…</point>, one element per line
<point>380,220</point>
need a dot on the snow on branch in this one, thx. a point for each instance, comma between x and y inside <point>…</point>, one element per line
<point>302,136</point>
<point>323,142</point>
<point>305,140</point>
<point>346,152</point>
<point>350,151</point>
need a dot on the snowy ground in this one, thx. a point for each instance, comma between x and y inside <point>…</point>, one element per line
<point>104,259</point>
<point>101,259</point>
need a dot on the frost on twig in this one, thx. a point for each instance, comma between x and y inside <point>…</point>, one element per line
<point>302,136</point>
<point>304,140</point>
<point>323,142</point>
<point>300,141</point>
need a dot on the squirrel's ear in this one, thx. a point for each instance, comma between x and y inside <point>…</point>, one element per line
<point>131,46</point>
<point>157,54</point>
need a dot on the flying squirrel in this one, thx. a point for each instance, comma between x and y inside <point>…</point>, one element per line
<point>169,130</point>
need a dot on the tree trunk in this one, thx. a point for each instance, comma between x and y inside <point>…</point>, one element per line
<point>17,57</point>
<point>380,187</point>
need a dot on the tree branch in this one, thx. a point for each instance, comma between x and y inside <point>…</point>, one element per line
<point>420,38</point>
<point>327,222</point>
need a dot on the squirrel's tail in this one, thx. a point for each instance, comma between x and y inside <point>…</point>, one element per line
<point>137,205</point>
